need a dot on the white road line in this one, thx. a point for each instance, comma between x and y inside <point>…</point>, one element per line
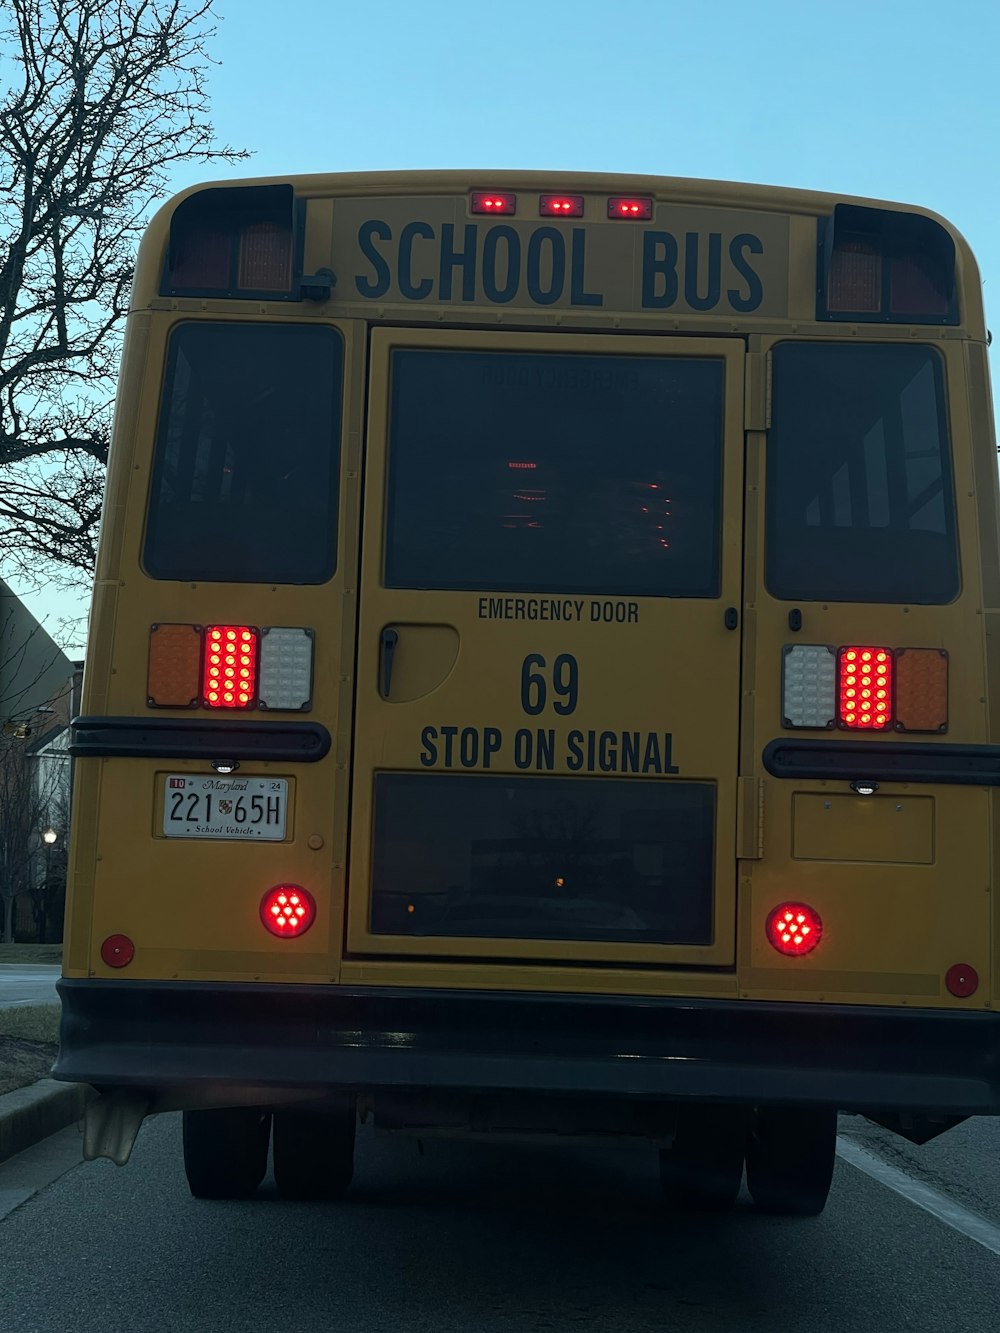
<point>970,1224</point>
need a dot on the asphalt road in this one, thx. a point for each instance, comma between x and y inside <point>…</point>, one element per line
<point>478,1238</point>
<point>28,983</point>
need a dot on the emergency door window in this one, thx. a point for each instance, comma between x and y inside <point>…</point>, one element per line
<point>553,472</point>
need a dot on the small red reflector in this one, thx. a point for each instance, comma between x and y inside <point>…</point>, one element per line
<point>864,687</point>
<point>287,910</point>
<point>117,951</point>
<point>622,206</point>
<point>794,929</point>
<point>560,206</point>
<point>962,980</point>
<point>229,669</point>
<point>493,201</point>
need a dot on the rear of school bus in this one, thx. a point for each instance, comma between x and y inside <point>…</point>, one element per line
<point>543,679</point>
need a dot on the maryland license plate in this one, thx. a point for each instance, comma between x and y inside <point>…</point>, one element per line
<point>247,808</point>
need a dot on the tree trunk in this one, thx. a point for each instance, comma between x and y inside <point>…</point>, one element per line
<point>8,918</point>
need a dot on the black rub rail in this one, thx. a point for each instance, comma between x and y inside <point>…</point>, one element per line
<point>198,738</point>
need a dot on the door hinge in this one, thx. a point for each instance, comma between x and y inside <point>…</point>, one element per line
<point>749,819</point>
<point>757,392</point>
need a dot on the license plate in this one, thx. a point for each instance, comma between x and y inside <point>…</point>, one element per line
<point>237,808</point>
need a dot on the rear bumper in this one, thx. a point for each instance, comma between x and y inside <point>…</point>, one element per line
<point>196,1043</point>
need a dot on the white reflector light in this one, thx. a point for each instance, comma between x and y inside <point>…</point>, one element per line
<point>286,660</point>
<point>808,685</point>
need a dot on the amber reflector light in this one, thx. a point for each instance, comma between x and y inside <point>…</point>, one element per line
<point>864,688</point>
<point>794,929</point>
<point>229,670</point>
<point>174,661</point>
<point>117,951</point>
<point>921,689</point>
<point>287,910</point>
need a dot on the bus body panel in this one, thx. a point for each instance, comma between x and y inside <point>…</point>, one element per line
<point>437,678</point>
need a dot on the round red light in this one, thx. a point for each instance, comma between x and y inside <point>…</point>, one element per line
<point>794,929</point>
<point>962,980</point>
<point>117,951</point>
<point>287,910</point>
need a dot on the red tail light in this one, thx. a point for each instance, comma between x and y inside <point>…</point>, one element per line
<point>794,929</point>
<point>229,671</point>
<point>864,688</point>
<point>287,910</point>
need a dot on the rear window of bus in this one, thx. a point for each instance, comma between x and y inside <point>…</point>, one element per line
<point>860,505</point>
<point>246,471</point>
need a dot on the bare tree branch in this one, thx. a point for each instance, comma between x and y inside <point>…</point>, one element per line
<point>109,97</point>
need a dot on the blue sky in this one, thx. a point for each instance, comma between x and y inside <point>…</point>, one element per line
<point>898,101</point>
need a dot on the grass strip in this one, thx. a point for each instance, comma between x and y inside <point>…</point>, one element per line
<point>31,953</point>
<point>29,1039</point>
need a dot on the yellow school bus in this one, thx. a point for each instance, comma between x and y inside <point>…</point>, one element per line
<point>543,678</point>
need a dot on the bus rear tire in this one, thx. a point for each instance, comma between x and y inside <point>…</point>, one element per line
<point>314,1152</point>
<point>225,1151</point>
<point>701,1172</point>
<point>790,1156</point>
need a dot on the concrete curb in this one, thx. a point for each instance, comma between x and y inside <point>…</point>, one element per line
<point>28,1115</point>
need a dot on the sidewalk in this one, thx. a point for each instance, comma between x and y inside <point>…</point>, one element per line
<point>28,1115</point>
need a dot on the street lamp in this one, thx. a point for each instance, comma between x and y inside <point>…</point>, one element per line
<point>49,837</point>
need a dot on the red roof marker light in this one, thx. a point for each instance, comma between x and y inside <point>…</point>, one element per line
<point>493,201</point>
<point>560,206</point>
<point>625,206</point>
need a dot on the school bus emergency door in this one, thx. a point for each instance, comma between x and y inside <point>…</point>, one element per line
<point>548,684</point>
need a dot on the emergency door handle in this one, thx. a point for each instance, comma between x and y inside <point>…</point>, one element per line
<point>387,651</point>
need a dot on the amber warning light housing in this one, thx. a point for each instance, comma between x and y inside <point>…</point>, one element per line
<point>881,266</point>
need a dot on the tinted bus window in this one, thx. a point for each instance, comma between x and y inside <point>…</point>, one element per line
<point>546,858</point>
<point>246,471</point>
<point>555,473</point>
<point>859,494</point>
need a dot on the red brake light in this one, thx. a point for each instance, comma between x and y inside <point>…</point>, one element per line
<point>623,206</point>
<point>493,201</point>
<point>287,910</point>
<point>229,670</point>
<point>560,206</point>
<point>794,929</point>
<point>864,688</point>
